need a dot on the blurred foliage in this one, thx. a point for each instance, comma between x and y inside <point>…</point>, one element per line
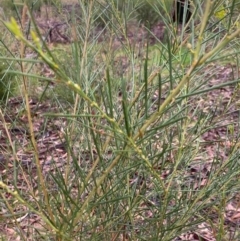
<point>147,12</point>
<point>10,7</point>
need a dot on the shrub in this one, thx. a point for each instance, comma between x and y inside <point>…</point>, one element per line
<point>148,150</point>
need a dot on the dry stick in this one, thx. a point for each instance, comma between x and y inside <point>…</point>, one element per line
<point>31,130</point>
<point>8,136</point>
